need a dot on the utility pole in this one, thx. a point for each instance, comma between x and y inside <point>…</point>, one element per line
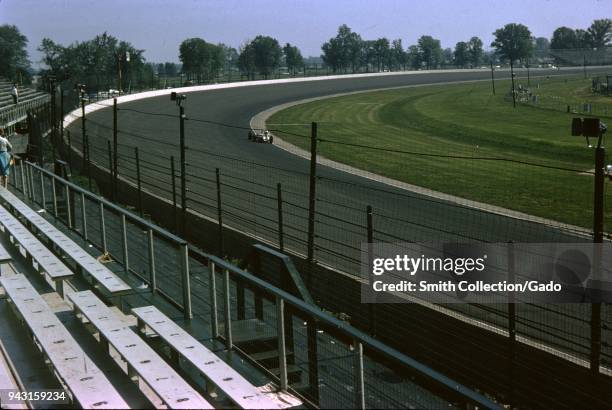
<point>598,230</point>
<point>593,127</point>
<point>512,75</point>
<point>312,194</point>
<point>115,150</point>
<point>183,171</point>
<point>83,132</point>
<point>179,100</point>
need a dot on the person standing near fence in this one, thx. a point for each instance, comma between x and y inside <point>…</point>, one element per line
<point>5,158</point>
<point>15,94</point>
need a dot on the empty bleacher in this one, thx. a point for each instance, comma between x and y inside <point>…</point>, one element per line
<point>87,385</point>
<point>41,289</point>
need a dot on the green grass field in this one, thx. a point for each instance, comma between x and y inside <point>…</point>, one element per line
<point>462,120</point>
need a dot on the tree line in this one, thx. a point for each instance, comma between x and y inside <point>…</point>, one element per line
<point>99,62</point>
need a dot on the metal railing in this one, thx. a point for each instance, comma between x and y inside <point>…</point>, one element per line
<point>354,356</point>
<point>12,114</point>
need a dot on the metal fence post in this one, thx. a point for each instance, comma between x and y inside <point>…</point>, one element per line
<point>174,210</point>
<point>68,210</point>
<point>227,310</point>
<point>152,278</point>
<point>43,196</point>
<point>88,167</point>
<point>54,196</point>
<point>279,198</point>
<point>511,305</point>
<point>313,358</point>
<point>22,177</point>
<point>29,174</point>
<point>124,244</point>
<point>282,353</point>
<point>370,234</point>
<point>138,181</point>
<point>511,325</point>
<point>214,318</point>
<point>598,233</point>
<point>84,216</point>
<point>312,197</point>
<point>219,211</point>
<point>183,172</point>
<point>184,263</point>
<point>359,376</point>
<point>115,145</point>
<point>103,229</point>
<point>69,149</point>
<point>83,134</point>
<point>110,171</point>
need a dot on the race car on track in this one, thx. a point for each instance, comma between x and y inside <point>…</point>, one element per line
<point>264,137</point>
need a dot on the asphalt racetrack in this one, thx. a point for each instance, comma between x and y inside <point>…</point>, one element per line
<point>216,137</point>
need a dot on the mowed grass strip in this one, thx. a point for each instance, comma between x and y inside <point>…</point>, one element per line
<point>458,120</point>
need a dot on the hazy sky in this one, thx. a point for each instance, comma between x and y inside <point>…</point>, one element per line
<point>159,26</point>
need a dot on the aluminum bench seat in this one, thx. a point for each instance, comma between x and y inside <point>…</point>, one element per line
<point>142,360</point>
<point>88,386</point>
<point>87,263</point>
<point>5,258</point>
<point>48,263</point>
<point>239,390</point>
<point>8,383</point>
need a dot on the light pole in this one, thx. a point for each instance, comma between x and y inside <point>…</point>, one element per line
<point>593,127</point>
<point>179,100</point>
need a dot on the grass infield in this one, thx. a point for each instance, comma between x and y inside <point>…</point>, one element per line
<point>464,120</point>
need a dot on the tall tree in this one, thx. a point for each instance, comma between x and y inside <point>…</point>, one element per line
<point>333,54</point>
<point>343,51</point>
<point>398,54</point>
<point>13,55</point>
<point>513,42</point>
<point>475,51</point>
<point>447,56</point>
<point>563,38</point>
<point>98,63</point>
<point>368,54</point>
<point>246,60</point>
<point>230,56</point>
<point>430,51</point>
<point>600,33</point>
<point>201,60</point>
<point>267,53</point>
<point>583,39</point>
<point>413,57</point>
<point>462,55</point>
<point>351,46</point>
<point>381,51</point>
<point>293,58</point>
<point>170,69</point>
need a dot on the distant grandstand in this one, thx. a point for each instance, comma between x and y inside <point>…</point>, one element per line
<point>582,56</point>
<point>11,114</point>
